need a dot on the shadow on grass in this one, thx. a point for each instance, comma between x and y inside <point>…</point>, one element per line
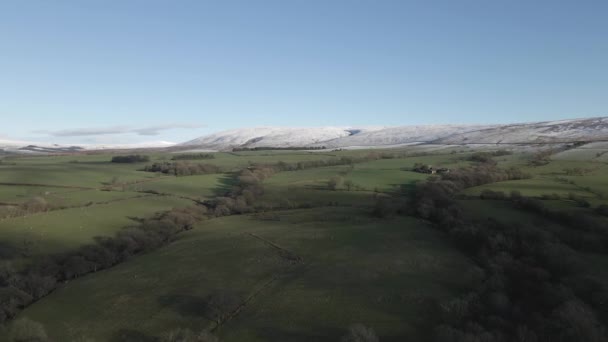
<point>185,305</point>
<point>8,251</point>
<point>227,181</point>
<point>212,307</point>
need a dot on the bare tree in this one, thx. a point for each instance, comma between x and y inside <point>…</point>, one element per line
<point>334,182</point>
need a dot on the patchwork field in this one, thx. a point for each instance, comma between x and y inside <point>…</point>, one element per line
<point>311,254</point>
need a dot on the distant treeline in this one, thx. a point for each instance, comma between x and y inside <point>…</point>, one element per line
<point>291,148</point>
<point>193,156</point>
<point>344,160</point>
<point>534,284</point>
<point>486,157</point>
<point>183,168</point>
<point>482,174</point>
<point>132,158</point>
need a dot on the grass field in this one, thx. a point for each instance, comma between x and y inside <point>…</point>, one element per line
<point>354,269</point>
<point>43,233</point>
<point>196,187</point>
<point>284,275</point>
<point>532,187</point>
<point>87,210</point>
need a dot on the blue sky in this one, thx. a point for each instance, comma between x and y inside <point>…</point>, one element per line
<point>128,71</point>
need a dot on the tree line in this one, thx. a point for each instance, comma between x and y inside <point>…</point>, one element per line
<point>193,156</point>
<point>183,168</point>
<point>265,148</point>
<point>132,158</point>
<point>535,286</point>
<point>487,157</point>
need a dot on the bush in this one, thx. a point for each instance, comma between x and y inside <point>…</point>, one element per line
<point>349,184</point>
<point>481,157</point>
<point>334,183</point>
<point>133,158</point>
<point>383,208</point>
<point>36,204</point>
<point>11,301</point>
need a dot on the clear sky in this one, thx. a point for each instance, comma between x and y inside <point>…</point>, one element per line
<point>127,71</point>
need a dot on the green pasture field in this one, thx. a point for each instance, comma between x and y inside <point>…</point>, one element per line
<point>56,231</point>
<point>535,187</point>
<point>59,171</point>
<point>310,186</point>
<point>353,269</point>
<point>196,187</point>
<point>19,194</point>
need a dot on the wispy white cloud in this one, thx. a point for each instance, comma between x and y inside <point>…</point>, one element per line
<point>93,131</point>
<point>155,130</point>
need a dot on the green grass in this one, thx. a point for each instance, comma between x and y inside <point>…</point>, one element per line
<point>60,230</point>
<point>384,175</point>
<point>91,212</point>
<point>355,269</point>
<point>200,186</point>
<point>20,194</point>
<point>503,211</point>
<point>310,186</point>
<point>85,197</point>
<point>60,197</point>
<point>531,187</point>
<point>52,172</point>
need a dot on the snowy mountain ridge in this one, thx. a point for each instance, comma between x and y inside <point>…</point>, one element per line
<point>560,131</point>
<point>590,129</point>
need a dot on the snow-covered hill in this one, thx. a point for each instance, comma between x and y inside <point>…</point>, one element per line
<point>540,132</point>
<point>16,146</point>
<point>344,137</point>
<point>273,137</point>
<point>400,135</point>
<point>563,131</point>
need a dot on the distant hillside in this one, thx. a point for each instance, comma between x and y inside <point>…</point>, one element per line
<point>563,131</point>
<point>591,129</point>
<point>23,147</point>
